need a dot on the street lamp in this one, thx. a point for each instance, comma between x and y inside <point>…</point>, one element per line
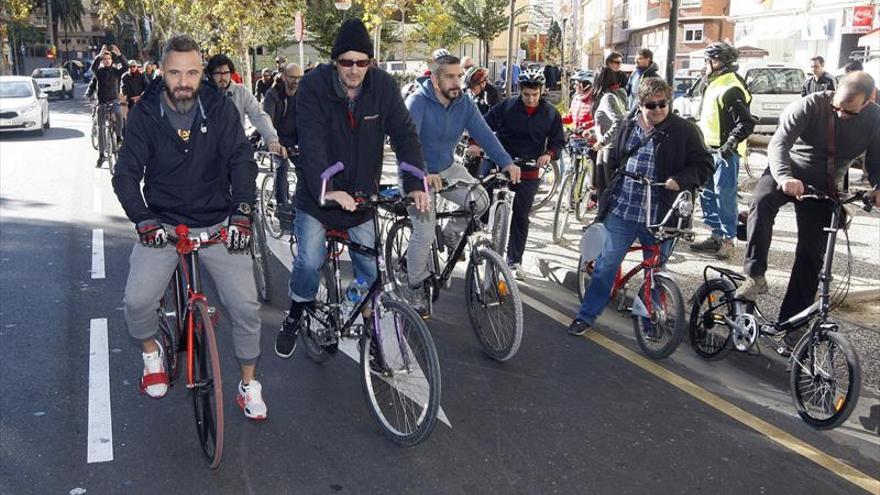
<point>563,12</point>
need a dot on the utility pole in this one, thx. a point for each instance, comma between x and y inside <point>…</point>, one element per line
<point>673,38</point>
<point>51,23</point>
<point>508,77</point>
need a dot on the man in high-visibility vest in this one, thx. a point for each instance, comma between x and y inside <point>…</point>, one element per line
<point>726,121</point>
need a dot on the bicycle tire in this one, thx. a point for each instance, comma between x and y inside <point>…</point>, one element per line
<point>500,228</point>
<point>396,246</point>
<point>260,255</point>
<point>207,390</point>
<point>672,303</point>
<point>94,135</point>
<point>170,328</point>
<point>709,336</point>
<point>562,210</point>
<point>268,205</point>
<point>550,173</point>
<point>407,377</point>
<point>500,338</point>
<point>584,273</point>
<point>585,187</point>
<point>319,315</point>
<point>803,376</point>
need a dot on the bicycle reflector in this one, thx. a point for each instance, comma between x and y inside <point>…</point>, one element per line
<point>593,241</point>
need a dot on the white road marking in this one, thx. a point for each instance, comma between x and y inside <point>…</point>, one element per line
<point>97,253</point>
<point>100,438</point>
<point>96,200</point>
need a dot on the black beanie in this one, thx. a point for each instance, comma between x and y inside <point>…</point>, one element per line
<point>352,36</point>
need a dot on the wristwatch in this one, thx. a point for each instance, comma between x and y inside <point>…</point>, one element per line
<point>245,208</point>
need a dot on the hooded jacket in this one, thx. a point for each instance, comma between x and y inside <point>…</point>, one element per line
<point>248,106</point>
<point>441,127</point>
<point>196,183</point>
<point>331,128</point>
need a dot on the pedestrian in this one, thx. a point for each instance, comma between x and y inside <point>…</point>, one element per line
<point>813,145</point>
<point>645,67</point>
<point>280,105</point>
<point>344,111</point>
<point>134,83</point>
<point>655,143</point>
<point>530,129</point>
<point>150,70</point>
<point>614,61</point>
<point>609,114</point>
<point>819,80</point>
<point>466,63</point>
<point>726,121</point>
<point>187,147</point>
<point>263,84</point>
<point>550,77</point>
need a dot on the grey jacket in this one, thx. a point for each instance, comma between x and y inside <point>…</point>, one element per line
<point>247,105</point>
<point>609,112</point>
<point>799,148</point>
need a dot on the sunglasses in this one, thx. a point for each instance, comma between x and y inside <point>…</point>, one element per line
<point>221,73</point>
<point>653,105</point>
<point>841,109</point>
<point>351,63</point>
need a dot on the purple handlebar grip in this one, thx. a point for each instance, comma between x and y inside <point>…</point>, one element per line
<point>332,170</point>
<point>412,169</point>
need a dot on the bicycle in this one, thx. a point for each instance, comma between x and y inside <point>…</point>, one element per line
<point>399,365</point>
<point>186,325</point>
<point>576,188</point>
<point>823,396</point>
<point>658,306</point>
<point>94,133</point>
<point>269,206</point>
<point>549,178</point>
<point>493,299</point>
<point>111,148</point>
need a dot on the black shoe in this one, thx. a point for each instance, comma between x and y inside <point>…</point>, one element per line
<point>100,161</point>
<point>285,342</point>
<point>578,327</point>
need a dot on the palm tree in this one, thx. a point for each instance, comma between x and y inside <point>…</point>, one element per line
<point>66,14</point>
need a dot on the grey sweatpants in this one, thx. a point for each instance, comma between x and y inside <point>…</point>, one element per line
<point>424,224</point>
<point>233,275</point>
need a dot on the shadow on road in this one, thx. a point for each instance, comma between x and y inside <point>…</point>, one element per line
<point>52,134</point>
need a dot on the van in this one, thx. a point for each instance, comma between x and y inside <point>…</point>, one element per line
<point>773,87</point>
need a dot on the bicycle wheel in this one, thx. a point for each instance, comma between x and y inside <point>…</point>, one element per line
<point>660,333</point>
<point>319,324</point>
<point>260,254</point>
<point>268,205</point>
<point>494,304</point>
<point>207,390</point>
<point>562,210</point>
<point>94,134</point>
<point>585,271</point>
<point>401,374</point>
<point>170,328</point>
<point>708,331</point>
<point>395,254</point>
<point>548,186</point>
<point>500,228</point>
<point>825,379</point>
<point>584,190</point>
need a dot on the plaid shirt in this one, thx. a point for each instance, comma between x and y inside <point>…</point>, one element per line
<point>629,201</point>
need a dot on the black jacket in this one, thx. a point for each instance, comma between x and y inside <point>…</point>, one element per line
<point>134,84</point>
<point>488,98</point>
<point>198,183</point>
<point>108,78</point>
<point>523,136</point>
<point>332,129</point>
<point>812,85</point>
<point>283,116</point>
<point>679,154</point>
<point>262,87</point>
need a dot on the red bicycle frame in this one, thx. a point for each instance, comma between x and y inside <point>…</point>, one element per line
<point>647,265</point>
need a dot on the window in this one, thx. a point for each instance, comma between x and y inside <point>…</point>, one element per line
<point>693,33</point>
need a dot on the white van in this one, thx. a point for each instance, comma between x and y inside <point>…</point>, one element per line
<point>773,87</point>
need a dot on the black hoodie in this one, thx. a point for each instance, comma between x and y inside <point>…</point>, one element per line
<point>196,183</point>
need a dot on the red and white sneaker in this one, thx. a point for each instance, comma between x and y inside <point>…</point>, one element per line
<point>250,400</point>
<point>154,381</point>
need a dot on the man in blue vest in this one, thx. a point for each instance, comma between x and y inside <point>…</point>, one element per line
<point>725,121</point>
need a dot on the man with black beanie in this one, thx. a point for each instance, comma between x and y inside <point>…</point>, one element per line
<point>344,110</point>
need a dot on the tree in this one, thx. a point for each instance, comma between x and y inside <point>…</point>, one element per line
<point>67,15</point>
<point>13,21</point>
<point>482,19</point>
<point>435,24</point>
<point>554,42</point>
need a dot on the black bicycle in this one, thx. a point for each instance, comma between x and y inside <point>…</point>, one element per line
<point>493,299</point>
<point>111,147</point>
<point>399,364</point>
<point>825,372</point>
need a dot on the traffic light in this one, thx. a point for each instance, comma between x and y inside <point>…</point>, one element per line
<point>52,52</point>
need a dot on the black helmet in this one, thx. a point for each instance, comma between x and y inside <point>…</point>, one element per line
<point>722,52</point>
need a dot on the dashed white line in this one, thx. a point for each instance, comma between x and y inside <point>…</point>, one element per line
<point>100,438</point>
<point>97,253</point>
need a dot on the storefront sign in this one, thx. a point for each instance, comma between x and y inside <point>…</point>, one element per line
<point>860,21</point>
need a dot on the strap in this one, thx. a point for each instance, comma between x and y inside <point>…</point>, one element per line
<point>832,128</point>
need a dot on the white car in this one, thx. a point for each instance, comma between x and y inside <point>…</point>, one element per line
<point>23,107</point>
<point>773,86</point>
<point>54,81</point>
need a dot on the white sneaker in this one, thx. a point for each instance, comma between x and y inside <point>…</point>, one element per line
<point>154,381</point>
<point>250,400</point>
<point>518,271</point>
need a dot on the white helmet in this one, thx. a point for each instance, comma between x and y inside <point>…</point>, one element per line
<point>440,52</point>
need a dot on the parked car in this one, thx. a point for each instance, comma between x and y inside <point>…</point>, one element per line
<point>23,107</point>
<point>54,81</point>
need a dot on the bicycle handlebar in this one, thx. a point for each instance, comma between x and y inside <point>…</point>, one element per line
<point>186,244</point>
<point>641,178</point>
<point>337,167</point>
<point>815,194</point>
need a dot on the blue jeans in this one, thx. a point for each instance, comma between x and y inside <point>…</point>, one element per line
<point>719,198</point>
<point>312,252</point>
<point>621,235</point>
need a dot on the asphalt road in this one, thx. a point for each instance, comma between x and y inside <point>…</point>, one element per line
<point>566,415</point>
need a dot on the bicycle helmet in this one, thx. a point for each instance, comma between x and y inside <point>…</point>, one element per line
<point>532,77</point>
<point>582,75</point>
<point>722,52</point>
<point>475,75</point>
<point>133,63</point>
<point>440,52</point>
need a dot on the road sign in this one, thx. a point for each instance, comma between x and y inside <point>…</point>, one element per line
<point>298,27</point>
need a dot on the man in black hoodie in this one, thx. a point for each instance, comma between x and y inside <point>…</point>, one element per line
<point>185,141</point>
<point>108,68</point>
<point>344,110</point>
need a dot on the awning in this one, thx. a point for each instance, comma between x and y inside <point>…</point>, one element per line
<point>751,32</point>
<point>870,40</point>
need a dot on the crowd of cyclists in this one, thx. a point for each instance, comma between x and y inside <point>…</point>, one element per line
<point>186,159</point>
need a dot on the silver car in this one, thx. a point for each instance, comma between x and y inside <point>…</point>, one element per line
<point>23,107</point>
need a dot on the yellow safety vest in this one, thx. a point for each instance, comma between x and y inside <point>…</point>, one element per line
<point>710,116</point>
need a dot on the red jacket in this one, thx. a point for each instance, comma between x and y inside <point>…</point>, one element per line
<point>579,113</point>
